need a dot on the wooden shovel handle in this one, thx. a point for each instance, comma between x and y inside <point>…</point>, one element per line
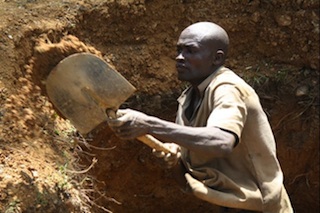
<point>146,139</point>
<point>155,144</point>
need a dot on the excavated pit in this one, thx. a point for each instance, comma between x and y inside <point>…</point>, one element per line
<point>138,39</point>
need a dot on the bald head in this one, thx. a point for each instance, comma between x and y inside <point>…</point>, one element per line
<point>210,34</point>
<point>201,50</point>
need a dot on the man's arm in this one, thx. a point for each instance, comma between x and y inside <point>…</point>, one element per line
<point>210,141</point>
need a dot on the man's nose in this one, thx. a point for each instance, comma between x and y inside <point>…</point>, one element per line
<point>179,57</point>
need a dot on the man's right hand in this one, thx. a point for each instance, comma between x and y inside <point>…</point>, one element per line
<point>129,124</point>
<point>170,159</point>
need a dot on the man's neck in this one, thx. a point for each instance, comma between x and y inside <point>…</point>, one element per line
<point>197,82</point>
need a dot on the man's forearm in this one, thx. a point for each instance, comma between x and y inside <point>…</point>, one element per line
<point>207,140</point>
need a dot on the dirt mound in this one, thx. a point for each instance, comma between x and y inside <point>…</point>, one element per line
<point>36,138</point>
<point>48,54</point>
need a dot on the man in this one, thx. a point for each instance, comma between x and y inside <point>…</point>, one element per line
<point>228,153</point>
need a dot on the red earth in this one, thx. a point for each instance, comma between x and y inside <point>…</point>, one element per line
<point>46,166</point>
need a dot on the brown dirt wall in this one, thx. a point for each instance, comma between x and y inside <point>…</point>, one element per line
<point>274,46</point>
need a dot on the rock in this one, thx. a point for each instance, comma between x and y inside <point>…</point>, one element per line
<point>255,17</point>
<point>34,174</point>
<point>283,20</point>
<point>302,91</point>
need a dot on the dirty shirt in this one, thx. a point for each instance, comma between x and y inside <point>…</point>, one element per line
<point>248,178</point>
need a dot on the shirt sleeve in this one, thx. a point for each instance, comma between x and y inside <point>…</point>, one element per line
<point>229,111</point>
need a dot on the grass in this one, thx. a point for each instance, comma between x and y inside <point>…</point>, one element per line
<point>13,207</point>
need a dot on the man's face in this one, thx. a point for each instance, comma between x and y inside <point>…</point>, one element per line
<point>194,61</point>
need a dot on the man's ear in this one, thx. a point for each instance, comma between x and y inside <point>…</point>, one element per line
<point>219,58</point>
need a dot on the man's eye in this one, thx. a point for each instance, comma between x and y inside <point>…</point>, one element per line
<point>190,50</point>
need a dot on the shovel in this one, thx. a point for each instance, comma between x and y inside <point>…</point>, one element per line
<point>86,90</point>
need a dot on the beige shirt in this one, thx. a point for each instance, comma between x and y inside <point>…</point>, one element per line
<point>250,177</point>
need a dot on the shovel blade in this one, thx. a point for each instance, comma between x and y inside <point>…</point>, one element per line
<point>82,86</point>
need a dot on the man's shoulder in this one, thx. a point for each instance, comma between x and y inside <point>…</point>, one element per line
<point>226,76</point>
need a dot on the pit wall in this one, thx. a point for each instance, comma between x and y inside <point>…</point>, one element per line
<point>274,46</point>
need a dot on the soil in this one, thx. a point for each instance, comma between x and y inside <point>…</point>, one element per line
<point>47,166</point>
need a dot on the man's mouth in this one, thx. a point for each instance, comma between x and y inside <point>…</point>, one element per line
<point>181,67</point>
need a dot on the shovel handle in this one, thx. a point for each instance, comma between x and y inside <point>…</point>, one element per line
<point>155,144</point>
<point>149,140</point>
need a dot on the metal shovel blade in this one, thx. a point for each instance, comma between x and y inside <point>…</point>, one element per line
<point>82,86</point>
